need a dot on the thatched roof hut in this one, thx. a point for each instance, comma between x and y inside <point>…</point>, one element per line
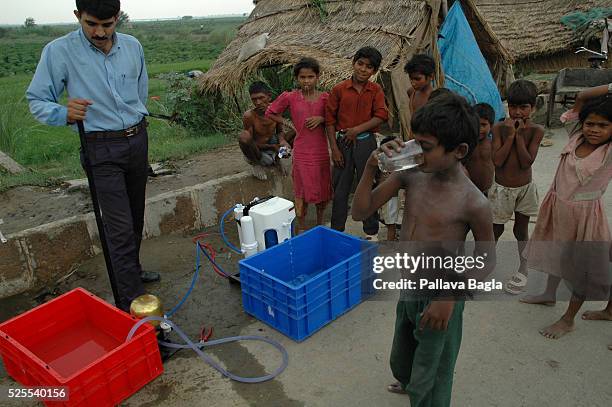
<point>332,31</point>
<point>533,33</point>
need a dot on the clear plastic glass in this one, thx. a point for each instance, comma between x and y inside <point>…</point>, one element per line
<point>411,156</point>
<point>284,152</point>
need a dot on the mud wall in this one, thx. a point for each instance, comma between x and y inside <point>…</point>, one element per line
<point>39,256</point>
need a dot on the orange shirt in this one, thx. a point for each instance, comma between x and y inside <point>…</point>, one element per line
<point>347,108</point>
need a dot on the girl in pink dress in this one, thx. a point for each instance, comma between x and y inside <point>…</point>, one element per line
<point>311,166</point>
<point>573,211</point>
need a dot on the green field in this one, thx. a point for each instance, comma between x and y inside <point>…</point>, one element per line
<point>164,42</point>
<point>51,153</point>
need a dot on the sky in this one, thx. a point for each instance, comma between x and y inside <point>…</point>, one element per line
<point>60,11</point>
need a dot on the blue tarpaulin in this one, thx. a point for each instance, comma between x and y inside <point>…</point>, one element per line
<point>465,68</point>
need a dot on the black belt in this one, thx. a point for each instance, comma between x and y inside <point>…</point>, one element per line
<point>129,132</point>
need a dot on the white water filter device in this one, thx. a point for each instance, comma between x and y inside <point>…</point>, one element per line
<point>248,243</point>
<point>263,223</point>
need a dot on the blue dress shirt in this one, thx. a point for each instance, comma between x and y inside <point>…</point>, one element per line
<point>116,82</point>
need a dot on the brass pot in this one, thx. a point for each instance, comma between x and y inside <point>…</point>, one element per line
<point>145,306</point>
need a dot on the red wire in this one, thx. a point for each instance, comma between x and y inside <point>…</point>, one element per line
<point>198,239</point>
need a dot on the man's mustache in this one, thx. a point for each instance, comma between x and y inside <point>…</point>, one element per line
<point>99,38</point>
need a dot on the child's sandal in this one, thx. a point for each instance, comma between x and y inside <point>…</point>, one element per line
<point>516,284</point>
<point>396,388</point>
<point>546,142</point>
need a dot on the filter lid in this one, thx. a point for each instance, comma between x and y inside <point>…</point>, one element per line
<point>272,206</point>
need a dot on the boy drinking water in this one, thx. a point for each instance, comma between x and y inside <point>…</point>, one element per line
<point>420,70</point>
<point>516,141</point>
<point>427,331</point>
<point>480,164</point>
<point>355,109</point>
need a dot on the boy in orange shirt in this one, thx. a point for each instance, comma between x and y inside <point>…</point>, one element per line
<point>355,109</point>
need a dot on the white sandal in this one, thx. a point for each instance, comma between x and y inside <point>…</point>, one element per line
<point>516,284</point>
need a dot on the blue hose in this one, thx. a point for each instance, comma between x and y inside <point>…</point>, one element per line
<point>197,347</point>
<point>212,261</point>
<point>195,277</point>
<point>193,281</point>
<point>197,271</point>
<point>208,359</point>
<point>222,230</point>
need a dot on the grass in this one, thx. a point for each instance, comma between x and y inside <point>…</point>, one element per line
<point>13,115</point>
<point>54,158</point>
<point>199,64</point>
<point>164,42</point>
<point>51,154</point>
<point>174,142</point>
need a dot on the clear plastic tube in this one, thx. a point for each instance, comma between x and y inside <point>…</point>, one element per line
<point>196,348</point>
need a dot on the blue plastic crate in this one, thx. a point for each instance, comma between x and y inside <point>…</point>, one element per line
<point>308,281</point>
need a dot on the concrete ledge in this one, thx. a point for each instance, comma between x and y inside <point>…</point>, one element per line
<point>40,256</point>
<point>16,274</point>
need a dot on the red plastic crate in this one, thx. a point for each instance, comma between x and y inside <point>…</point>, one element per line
<point>77,340</point>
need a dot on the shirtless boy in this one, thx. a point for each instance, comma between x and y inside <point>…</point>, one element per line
<point>391,212</point>
<point>261,137</point>
<point>420,69</point>
<point>428,331</point>
<point>516,141</point>
<point>480,164</point>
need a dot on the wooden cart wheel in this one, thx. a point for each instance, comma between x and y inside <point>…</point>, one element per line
<point>551,102</point>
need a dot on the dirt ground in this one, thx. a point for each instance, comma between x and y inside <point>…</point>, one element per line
<point>29,206</point>
<point>26,207</point>
<point>503,361</point>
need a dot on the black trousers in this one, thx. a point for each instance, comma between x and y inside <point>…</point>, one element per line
<point>120,169</point>
<point>355,158</point>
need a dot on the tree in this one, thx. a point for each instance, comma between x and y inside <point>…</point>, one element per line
<point>123,18</point>
<point>187,18</point>
<point>29,22</point>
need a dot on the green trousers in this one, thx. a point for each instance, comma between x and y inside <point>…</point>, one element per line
<point>424,361</point>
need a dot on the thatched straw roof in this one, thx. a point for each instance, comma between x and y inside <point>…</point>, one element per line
<point>532,28</point>
<point>333,31</point>
<point>297,29</point>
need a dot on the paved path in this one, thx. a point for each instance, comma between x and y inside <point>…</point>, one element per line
<point>503,361</point>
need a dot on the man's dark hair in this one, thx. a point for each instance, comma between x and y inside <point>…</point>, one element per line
<point>259,87</point>
<point>450,119</point>
<point>421,63</point>
<point>601,106</point>
<point>485,111</point>
<point>440,92</point>
<point>101,9</point>
<point>522,92</point>
<point>372,54</point>
<point>306,63</point>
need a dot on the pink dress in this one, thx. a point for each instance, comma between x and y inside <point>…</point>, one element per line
<point>573,211</point>
<point>311,166</point>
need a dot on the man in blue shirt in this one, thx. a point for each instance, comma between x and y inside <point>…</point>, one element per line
<point>106,79</point>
